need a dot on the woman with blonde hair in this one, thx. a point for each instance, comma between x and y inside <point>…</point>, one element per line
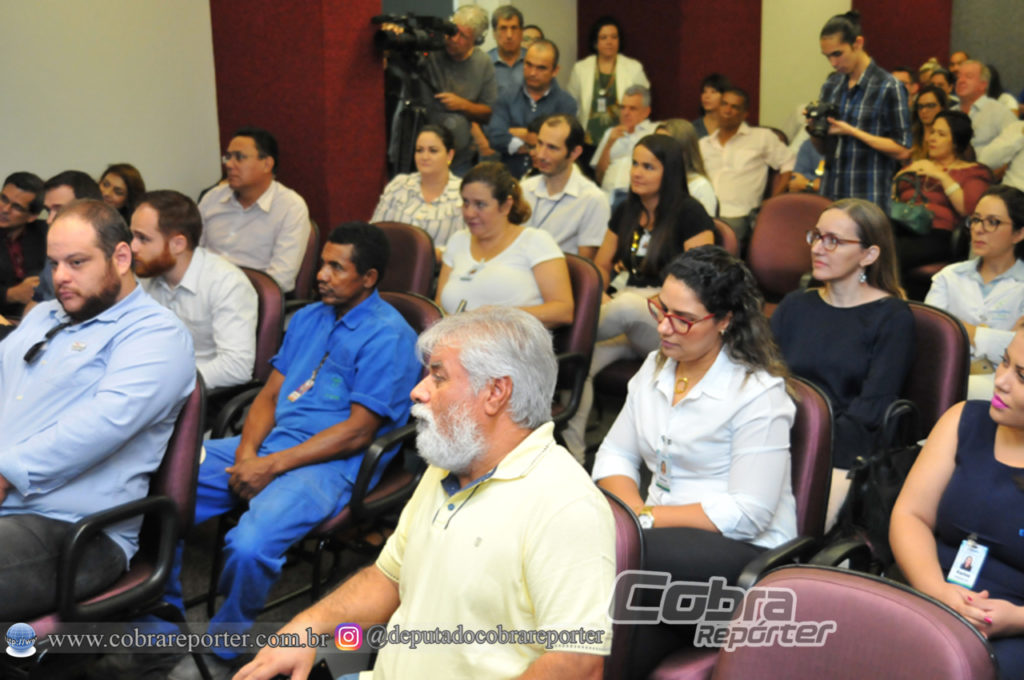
<point>696,177</point>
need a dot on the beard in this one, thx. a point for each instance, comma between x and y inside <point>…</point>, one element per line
<point>101,302</point>
<point>160,264</point>
<point>455,450</point>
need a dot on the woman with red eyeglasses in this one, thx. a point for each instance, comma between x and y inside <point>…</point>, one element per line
<point>708,414</point>
<point>853,337</point>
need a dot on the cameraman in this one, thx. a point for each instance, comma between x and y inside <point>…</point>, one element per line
<point>871,134</point>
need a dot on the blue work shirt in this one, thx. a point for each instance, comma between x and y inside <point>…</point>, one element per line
<point>509,78</point>
<point>368,357</point>
<point>86,424</point>
<point>519,109</point>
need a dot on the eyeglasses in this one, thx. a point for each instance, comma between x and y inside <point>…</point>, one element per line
<point>236,155</point>
<point>989,223</point>
<point>830,241</point>
<point>35,350</point>
<point>16,207</point>
<point>933,105</point>
<point>679,325</point>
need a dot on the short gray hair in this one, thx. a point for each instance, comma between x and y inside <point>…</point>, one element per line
<point>504,13</point>
<point>498,342</point>
<point>473,16</point>
<point>638,90</point>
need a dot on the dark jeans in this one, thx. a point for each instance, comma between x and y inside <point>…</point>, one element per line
<point>689,555</point>
<point>29,548</point>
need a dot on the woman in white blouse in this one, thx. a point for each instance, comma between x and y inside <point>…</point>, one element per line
<point>428,198</point>
<point>987,293</point>
<point>708,414</point>
<point>496,261</point>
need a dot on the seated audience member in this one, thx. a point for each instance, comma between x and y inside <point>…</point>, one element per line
<point>255,221</point>
<point>657,221</point>
<point>613,157</point>
<point>23,238</point>
<point>90,387</point>
<point>599,82</point>
<point>738,158</point>
<point>539,97</point>
<point>562,200</point>
<point>951,186</point>
<point>496,261</point>
<point>956,60</point>
<point>58,191</point>
<point>905,75</point>
<point>509,50</point>
<point>531,32</point>
<point>854,336</point>
<point>987,292</point>
<point>122,186</point>
<point>988,117</point>
<point>342,377</point>
<point>1006,150</point>
<point>808,170</point>
<point>484,427</point>
<point>959,501</point>
<point>709,417</point>
<point>697,182</point>
<point>712,88</point>
<point>925,71</point>
<point>931,100</point>
<point>211,296</point>
<point>944,80</point>
<point>428,198</point>
<point>998,92</point>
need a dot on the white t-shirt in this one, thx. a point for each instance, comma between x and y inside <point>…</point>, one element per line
<point>505,279</point>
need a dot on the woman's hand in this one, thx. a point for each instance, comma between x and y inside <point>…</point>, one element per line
<point>968,604</point>
<point>1001,618</point>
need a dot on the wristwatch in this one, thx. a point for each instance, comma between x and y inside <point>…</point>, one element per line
<point>646,517</point>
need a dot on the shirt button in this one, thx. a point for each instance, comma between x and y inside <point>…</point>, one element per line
<point>451,506</point>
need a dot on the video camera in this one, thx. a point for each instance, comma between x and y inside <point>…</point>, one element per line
<point>419,33</point>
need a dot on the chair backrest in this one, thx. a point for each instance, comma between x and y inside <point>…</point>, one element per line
<point>419,312</point>
<point>412,264</point>
<point>179,471</point>
<point>941,363</point>
<point>306,278</point>
<point>269,321</point>
<point>581,334</point>
<point>728,237</point>
<point>778,254</point>
<point>810,445</point>
<point>882,630</point>
<point>629,555</point>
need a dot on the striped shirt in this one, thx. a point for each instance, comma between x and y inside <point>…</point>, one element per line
<point>402,201</point>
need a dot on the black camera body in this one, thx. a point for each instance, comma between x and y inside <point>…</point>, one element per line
<point>818,114</point>
<point>419,34</point>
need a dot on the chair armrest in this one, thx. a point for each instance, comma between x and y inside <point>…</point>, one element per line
<point>854,549</point>
<point>580,365</point>
<point>794,550</point>
<point>231,411</point>
<point>900,424</point>
<point>85,529</point>
<point>368,466</point>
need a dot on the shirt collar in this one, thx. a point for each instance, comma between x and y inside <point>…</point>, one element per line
<point>714,384</point>
<point>354,317</point>
<point>190,281</point>
<point>110,315</point>
<point>517,463</point>
<point>265,201</point>
<point>970,270</point>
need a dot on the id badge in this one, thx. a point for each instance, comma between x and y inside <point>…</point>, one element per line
<point>602,104</point>
<point>663,471</point>
<point>968,563</point>
<point>302,389</point>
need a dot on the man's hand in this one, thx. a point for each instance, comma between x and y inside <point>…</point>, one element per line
<point>452,101</point>
<point>617,132</point>
<point>798,183</point>
<point>4,322</point>
<point>22,293</point>
<point>4,486</point>
<point>294,662</point>
<point>250,476</point>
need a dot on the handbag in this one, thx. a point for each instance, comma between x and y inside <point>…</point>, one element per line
<point>913,214</point>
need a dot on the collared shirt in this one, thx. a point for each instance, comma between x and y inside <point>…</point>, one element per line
<point>739,170</point>
<point>1006,148</point>
<point>86,424</point>
<point>510,78</point>
<point>576,216</point>
<point>518,109</point>
<point>988,119</point>
<point>531,547</point>
<point>621,156</point>
<point>270,235</point>
<point>219,306</point>
<point>993,307</point>
<point>877,104</point>
<point>402,201</point>
<point>726,441</point>
<point>366,357</point>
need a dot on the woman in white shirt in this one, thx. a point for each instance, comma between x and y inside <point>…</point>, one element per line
<point>708,414</point>
<point>428,198</point>
<point>696,176</point>
<point>496,261</point>
<point>987,293</point>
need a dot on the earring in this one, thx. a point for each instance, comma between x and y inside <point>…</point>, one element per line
<point>864,276</point>
<point>722,332</point>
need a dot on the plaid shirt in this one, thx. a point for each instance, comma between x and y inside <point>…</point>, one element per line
<point>877,104</point>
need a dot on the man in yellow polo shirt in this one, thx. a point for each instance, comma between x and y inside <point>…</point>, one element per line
<point>503,560</point>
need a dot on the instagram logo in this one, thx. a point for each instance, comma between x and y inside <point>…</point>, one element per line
<point>348,637</point>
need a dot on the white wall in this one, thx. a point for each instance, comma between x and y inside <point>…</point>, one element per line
<point>792,66</point>
<point>90,83</point>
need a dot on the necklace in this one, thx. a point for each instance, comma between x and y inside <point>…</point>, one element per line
<point>682,384</point>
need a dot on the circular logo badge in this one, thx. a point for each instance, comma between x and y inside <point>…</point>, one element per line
<point>21,640</point>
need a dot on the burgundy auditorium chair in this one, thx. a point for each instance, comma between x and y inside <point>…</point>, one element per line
<point>412,264</point>
<point>574,343</point>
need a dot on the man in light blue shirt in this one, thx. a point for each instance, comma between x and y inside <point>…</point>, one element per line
<point>507,23</point>
<point>90,387</point>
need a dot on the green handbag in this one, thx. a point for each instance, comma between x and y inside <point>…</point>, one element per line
<point>913,215</point>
